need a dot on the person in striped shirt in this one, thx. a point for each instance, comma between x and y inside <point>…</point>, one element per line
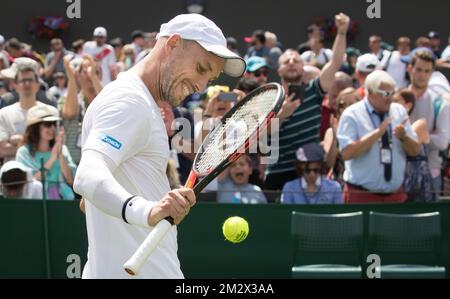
<point>299,118</point>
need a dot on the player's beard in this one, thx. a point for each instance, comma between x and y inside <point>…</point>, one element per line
<point>171,85</point>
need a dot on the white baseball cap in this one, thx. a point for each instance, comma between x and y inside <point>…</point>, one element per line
<point>2,39</point>
<point>100,31</point>
<point>367,63</point>
<point>202,30</point>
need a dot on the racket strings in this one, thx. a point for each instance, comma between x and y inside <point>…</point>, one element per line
<point>230,136</point>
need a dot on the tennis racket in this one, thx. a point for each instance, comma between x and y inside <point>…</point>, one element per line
<point>229,140</point>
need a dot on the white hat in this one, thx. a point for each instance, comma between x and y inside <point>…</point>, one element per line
<point>367,63</point>
<point>10,165</point>
<point>42,113</point>
<point>2,39</point>
<point>202,30</point>
<point>19,64</point>
<point>100,31</point>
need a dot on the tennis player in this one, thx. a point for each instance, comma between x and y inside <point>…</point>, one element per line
<point>122,172</point>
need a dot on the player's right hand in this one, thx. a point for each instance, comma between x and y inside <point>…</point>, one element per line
<point>176,204</point>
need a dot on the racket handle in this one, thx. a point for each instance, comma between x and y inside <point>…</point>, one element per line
<point>135,263</point>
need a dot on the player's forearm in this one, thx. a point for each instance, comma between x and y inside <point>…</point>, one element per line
<point>101,189</point>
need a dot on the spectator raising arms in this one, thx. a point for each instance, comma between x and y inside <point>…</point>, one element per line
<point>43,142</point>
<point>300,124</point>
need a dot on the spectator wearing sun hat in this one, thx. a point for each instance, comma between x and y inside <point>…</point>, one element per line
<point>257,69</point>
<point>44,141</point>
<point>311,187</point>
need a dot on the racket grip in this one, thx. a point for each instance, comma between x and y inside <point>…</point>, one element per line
<point>135,263</point>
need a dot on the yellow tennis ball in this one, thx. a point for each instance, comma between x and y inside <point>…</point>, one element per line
<point>235,229</point>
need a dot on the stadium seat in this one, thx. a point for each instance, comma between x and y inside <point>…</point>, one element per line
<point>408,245</point>
<point>327,245</point>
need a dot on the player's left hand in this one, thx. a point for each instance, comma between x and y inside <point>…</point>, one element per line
<point>176,204</point>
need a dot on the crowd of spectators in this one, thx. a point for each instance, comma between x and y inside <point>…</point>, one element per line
<point>357,125</point>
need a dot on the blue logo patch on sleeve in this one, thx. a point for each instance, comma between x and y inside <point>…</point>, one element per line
<point>111,141</point>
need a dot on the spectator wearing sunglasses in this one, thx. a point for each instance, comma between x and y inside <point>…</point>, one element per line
<point>43,142</point>
<point>375,136</point>
<point>257,69</point>
<point>311,187</point>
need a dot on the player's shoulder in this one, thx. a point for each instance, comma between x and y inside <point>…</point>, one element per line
<point>124,95</point>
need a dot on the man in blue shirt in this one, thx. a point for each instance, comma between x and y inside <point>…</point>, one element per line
<point>374,137</point>
<point>311,187</point>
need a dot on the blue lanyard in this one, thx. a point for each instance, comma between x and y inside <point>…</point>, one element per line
<point>375,126</point>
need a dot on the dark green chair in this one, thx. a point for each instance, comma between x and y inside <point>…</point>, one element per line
<point>327,245</point>
<point>408,245</point>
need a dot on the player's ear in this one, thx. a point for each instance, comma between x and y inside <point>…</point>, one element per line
<point>173,42</point>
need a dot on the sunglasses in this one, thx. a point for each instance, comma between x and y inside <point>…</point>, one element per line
<point>384,93</point>
<point>48,124</point>
<point>258,73</point>
<point>309,170</point>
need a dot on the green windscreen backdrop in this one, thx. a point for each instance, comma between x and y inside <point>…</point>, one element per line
<point>203,252</point>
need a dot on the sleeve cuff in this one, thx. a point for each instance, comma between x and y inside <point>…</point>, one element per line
<point>137,211</point>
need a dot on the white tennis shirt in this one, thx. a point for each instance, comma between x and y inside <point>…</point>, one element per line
<point>124,123</point>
